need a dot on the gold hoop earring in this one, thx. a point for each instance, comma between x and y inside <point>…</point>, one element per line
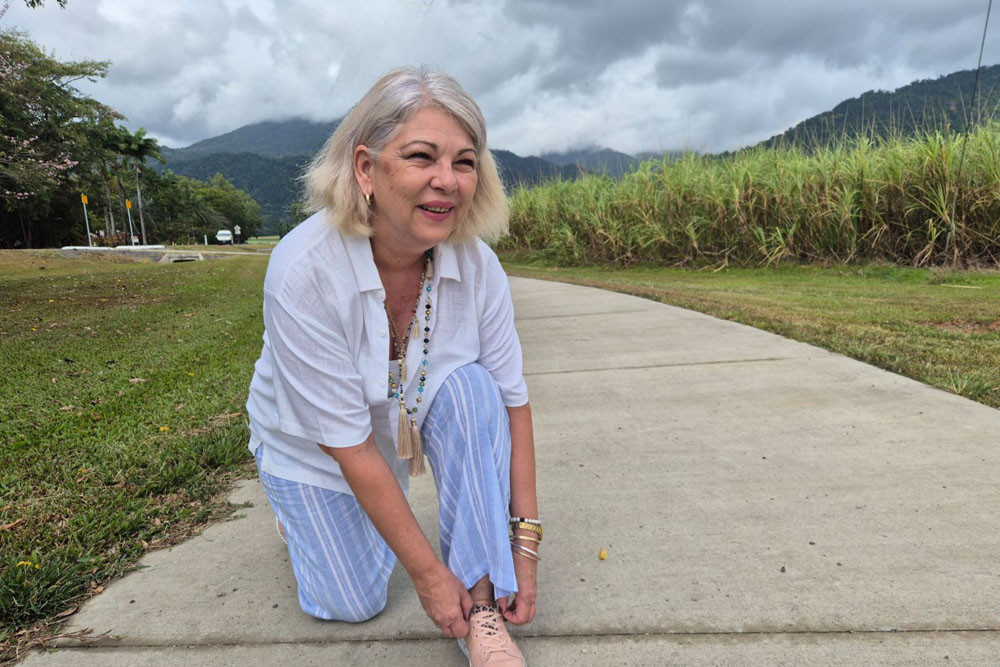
<point>368,199</point>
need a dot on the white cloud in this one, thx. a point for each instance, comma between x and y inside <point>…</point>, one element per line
<point>631,75</point>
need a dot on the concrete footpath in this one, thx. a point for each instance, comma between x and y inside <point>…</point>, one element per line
<point>761,502</point>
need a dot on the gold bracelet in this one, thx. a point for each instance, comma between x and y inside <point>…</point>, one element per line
<point>530,538</point>
<point>526,552</point>
<point>528,526</point>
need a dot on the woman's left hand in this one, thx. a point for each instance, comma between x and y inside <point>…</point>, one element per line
<point>522,609</point>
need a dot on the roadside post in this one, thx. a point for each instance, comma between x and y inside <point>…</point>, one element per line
<point>86,220</point>
<point>131,231</point>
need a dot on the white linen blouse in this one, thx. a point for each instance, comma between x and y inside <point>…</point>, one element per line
<point>323,370</point>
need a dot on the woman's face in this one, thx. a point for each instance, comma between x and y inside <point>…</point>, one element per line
<point>423,182</point>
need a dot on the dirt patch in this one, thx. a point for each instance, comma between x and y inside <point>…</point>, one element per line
<point>968,326</point>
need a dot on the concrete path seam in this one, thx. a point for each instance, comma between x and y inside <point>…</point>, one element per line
<point>582,635</point>
<point>673,365</point>
<point>601,314</point>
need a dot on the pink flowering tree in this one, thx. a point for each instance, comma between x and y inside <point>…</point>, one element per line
<point>46,143</point>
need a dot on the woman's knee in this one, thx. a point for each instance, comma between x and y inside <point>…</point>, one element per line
<point>472,381</point>
<point>468,403</point>
<point>332,605</point>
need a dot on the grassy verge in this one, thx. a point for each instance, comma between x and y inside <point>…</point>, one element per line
<point>937,326</point>
<point>121,417</point>
<point>122,387</point>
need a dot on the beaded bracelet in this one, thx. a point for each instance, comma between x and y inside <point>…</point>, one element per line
<point>521,519</point>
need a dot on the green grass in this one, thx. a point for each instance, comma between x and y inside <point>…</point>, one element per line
<point>937,326</point>
<point>122,387</point>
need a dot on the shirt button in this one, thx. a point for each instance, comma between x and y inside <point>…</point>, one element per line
<point>382,333</point>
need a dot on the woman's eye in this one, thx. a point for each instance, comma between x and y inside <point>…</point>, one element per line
<point>418,156</point>
<point>471,164</point>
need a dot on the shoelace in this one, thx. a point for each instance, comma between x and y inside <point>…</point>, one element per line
<point>487,628</point>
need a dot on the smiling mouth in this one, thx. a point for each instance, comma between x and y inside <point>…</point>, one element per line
<point>436,209</point>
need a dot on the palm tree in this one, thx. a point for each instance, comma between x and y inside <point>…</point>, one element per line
<point>139,147</point>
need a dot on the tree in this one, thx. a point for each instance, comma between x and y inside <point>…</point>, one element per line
<point>45,142</point>
<point>139,148</point>
<point>178,208</point>
<point>234,205</point>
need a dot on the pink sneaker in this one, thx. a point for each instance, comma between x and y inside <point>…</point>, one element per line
<point>488,644</point>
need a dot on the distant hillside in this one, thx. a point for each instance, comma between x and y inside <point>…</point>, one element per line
<point>272,182</point>
<point>930,104</point>
<point>296,136</point>
<point>526,171</point>
<point>595,160</point>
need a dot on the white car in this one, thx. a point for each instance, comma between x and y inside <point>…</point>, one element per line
<point>224,236</point>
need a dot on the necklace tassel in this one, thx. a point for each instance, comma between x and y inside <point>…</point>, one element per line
<point>404,447</point>
<point>417,462</point>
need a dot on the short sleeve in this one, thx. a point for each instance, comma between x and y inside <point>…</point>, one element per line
<point>318,390</point>
<point>499,346</point>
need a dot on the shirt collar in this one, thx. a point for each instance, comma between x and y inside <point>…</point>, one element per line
<point>446,262</point>
<point>359,251</point>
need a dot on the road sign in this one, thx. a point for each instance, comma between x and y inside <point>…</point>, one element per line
<point>86,219</point>
<point>236,230</point>
<point>128,203</point>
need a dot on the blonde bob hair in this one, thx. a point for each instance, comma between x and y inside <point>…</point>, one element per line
<point>330,182</point>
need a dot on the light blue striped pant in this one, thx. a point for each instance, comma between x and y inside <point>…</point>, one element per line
<point>341,563</point>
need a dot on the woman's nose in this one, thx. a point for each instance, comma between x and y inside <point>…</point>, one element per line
<point>444,178</point>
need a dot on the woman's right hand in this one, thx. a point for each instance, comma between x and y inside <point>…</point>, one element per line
<point>445,600</point>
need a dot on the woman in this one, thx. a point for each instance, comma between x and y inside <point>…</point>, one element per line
<point>389,334</point>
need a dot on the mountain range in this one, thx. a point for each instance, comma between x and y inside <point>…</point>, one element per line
<point>267,158</point>
<point>944,103</point>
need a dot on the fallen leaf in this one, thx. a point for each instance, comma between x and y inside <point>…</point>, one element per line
<point>136,380</point>
<point>8,526</point>
<point>602,555</point>
<point>68,612</point>
<point>99,590</point>
<point>67,408</point>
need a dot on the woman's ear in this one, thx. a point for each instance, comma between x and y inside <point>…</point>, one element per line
<point>364,165</point>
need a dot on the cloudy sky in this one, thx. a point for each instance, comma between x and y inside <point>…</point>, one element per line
<point>550,75</point>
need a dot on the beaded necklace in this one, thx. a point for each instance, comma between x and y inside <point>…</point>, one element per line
<point>409,444</point>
